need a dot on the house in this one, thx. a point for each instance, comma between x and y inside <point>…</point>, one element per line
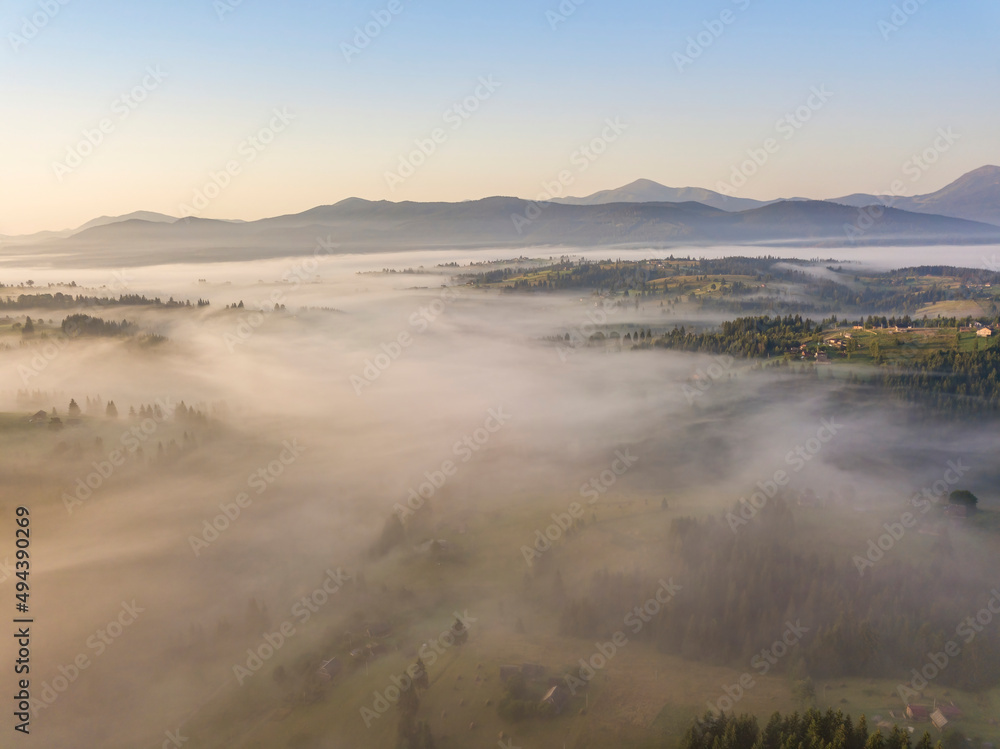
<point>938,719</point>
<point>984,332</point>
<point>39,418</point>
<point>917,712</point>
<point>951,712</point>
<point>557,696</point>
<point>956,511</point>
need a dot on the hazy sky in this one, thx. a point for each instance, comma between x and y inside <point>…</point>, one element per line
<point>229,65</point>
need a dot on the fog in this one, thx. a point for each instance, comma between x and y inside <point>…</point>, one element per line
<point>323,415</point>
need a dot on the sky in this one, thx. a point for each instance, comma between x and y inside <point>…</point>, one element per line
<point>252,108</point>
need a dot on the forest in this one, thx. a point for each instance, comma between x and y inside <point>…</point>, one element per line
<point>814,729</point>
<point>745,581</point>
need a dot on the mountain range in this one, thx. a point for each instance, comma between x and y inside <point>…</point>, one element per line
<point>974,196</point>
<point>639,214</point>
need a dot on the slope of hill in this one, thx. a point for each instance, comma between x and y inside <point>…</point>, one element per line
<point>974,196</point>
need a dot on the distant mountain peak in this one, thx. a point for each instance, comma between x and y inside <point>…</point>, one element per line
<point>648,191</point>
<point>150,216</point>
<point>987,170</point>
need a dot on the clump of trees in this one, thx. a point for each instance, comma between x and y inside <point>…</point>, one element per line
<point>521,701</point>
<point>949,381</point>
<point>745,336</point>
<point>85,325</point>
<point>413,733</point>
<point>964,498</point>
<point>829,730</point>
<point>69,301</point>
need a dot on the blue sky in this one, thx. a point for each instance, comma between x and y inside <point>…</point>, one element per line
<point>229,66</point>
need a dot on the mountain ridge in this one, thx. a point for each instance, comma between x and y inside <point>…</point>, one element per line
<point>360,226</point>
